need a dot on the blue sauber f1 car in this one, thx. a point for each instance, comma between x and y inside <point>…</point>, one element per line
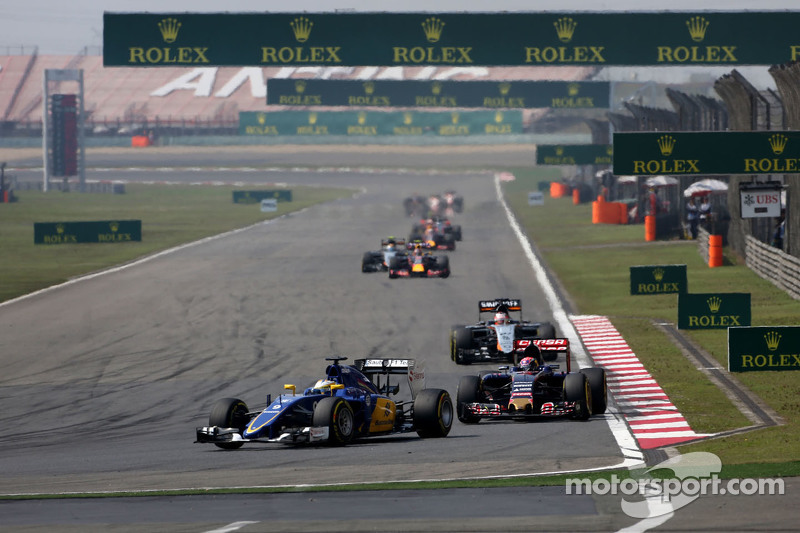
<point>350,402</point>
<point>533,388</point>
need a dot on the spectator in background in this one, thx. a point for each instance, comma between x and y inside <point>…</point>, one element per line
<point>692,216</point>
<point>778,232</point>
<point>705,213</point>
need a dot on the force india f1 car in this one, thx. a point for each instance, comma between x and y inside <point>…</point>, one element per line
<point>419,264</point>
<point>350,402</point>
<point>534,389</point>
<point>378,260</point>
<point>501,339</point>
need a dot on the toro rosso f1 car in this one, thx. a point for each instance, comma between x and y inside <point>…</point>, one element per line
<point>349,402</point>
<point>500,339</point>
<point>378,260</point>
<point>533,389</point>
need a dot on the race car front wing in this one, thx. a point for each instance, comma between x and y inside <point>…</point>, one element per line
<point>299,435</point>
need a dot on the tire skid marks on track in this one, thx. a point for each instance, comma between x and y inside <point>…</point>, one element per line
<point>647,409</point>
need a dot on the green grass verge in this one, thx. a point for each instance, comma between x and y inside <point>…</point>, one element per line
<point>592,263</point>
<point>170,215</point>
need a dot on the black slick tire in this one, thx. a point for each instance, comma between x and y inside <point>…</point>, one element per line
<point>469,391</point>
<point>576,389</point>
<point>229,413</point>
<point>433,413</point>
<point>337,415</point>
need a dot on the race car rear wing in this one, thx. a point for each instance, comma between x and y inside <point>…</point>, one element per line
<point>555,347</point>
<point>380,370</point>
<point>487,306</point>
<point>398,242</point>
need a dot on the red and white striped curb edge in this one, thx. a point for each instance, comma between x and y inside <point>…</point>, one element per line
<point>650,414</point>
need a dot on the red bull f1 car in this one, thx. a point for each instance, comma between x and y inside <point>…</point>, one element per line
<point>438,230</point>
<point>419,263</point>
<point>534,389</point>
<point>502,338</point>
<point>350,402</point>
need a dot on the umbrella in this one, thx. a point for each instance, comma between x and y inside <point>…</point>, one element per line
<point>661,181</point>
<point>704,187</point>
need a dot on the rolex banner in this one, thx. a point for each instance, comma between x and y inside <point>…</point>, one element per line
<point>658,279</point>
<point>418,93</point>
<point>374,123</point>
<point>574,154</point>
<point>763,348</point>
<point>80,232</point>
<point>707,152</point>
<point>725,39</point>
<point>713,311</point>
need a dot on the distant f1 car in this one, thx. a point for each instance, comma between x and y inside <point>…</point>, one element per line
<point>533,389</point>
<point>350,402</point>
<point>499,339</point>
<point>378,260</point>
<point>438,230</point>
<point>419,264</point>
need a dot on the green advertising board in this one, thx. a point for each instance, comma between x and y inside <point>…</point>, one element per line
<point>374,123</point>
<point>83,232</point>
<point>762,348</point>
<point>574,154</point>
<point>489,94</point>
<point>255,197</point>
<point>658,279</point>
<point>713,310</point>
<point>705,153</point>
<point>726,39</point>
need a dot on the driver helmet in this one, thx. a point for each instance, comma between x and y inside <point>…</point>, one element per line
<point>500,318</point>
<point>390,244</point>
<point>323,385</point>
<point>527,363</point>
<point>418,249</point>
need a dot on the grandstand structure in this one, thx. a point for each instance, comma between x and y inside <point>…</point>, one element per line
<point>186,100</point>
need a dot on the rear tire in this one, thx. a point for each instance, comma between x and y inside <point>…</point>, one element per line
<point>443,264</point>
<point>433,413</point>
<point>598,388</point>
<point>229,413</point>
<point>469,391</point>
<point>576,389</point>
<point>546,331</point>
<point>337,415</point>
<point>394,266</point>
<point>366,262</point>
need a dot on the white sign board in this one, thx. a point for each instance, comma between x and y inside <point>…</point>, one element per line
<point>536,198</point>
<point>269,205</point>
<point>757,203</point>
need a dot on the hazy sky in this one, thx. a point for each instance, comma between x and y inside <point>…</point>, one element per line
<point>66,26</point>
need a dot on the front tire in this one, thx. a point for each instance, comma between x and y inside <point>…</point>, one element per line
<point>229,413</point>
<point>337,415</point>
<point>469,391</point>
<point>576,389</point>
<point>433,413</point>
<point>460,343</point>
